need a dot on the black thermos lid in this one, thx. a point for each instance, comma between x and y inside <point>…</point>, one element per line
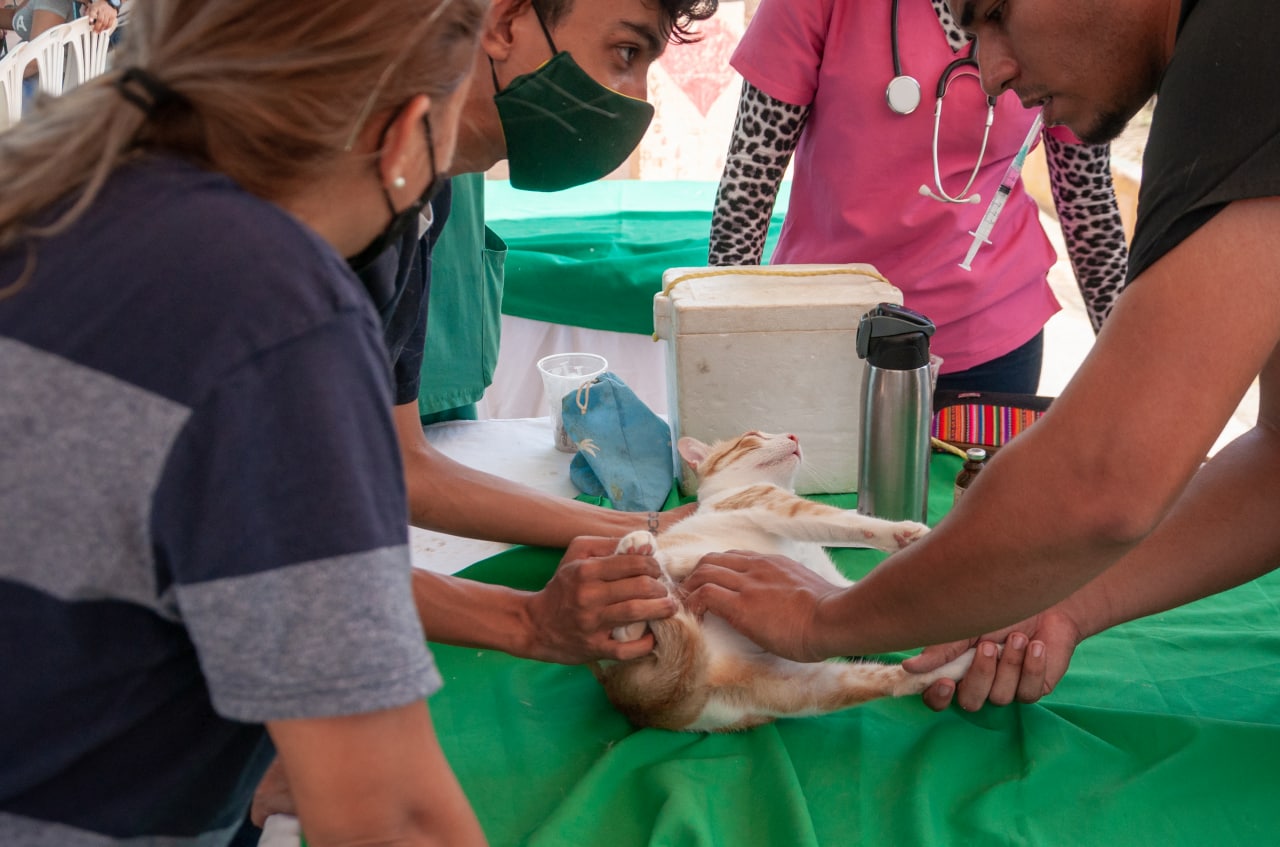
<point>894,337</point>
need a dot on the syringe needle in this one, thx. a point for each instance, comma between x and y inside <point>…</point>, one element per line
<point>982,234</point>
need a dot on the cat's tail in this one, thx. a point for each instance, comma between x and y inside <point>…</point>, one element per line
<point>754,690</point>
<point>667,688</point>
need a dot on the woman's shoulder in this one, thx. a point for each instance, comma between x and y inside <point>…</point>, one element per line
<point>218,257</point>
<point>174,209</point>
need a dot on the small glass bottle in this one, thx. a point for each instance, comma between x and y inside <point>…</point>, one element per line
<point>973,462</point>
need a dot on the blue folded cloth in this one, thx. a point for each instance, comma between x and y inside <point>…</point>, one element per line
<point>624,449</point>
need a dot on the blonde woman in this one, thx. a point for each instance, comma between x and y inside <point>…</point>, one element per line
<point>203,530</point>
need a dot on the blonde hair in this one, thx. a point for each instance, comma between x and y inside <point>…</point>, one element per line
<point>270,94</point>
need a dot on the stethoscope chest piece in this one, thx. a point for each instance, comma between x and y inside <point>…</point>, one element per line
<point>903,94</point>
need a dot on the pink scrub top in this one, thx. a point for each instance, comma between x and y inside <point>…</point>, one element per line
<point>855,194</point>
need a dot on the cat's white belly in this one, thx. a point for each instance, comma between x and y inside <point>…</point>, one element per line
<point>723,640</point>
<point>680,560</point>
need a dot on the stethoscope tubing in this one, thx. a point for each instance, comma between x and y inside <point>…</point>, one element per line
<point>903,97</point>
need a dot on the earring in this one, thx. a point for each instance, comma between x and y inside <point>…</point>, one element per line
<point>398,182</point>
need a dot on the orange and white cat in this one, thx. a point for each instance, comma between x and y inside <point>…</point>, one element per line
<point>705,676</point>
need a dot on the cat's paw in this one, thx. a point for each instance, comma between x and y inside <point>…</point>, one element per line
<point>957,667</point>
<point>640,543</point>
<point>917,683</point>
<point>630,632</point>
<point>907,533</point>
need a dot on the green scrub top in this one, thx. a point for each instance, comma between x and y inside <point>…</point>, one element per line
<point>464,310</point>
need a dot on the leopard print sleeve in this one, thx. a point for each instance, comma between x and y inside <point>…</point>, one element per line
<point>1085,196</point>
<point>765,135</point>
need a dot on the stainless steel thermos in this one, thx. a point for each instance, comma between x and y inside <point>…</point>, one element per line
<point>897,413</point>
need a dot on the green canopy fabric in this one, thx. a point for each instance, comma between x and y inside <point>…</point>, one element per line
<point>1164,732</point>
<point>593,256</point>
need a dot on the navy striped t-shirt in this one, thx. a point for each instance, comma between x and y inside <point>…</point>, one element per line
<point>202,512</point>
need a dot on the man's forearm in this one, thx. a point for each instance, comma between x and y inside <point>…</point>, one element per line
<point>466,613</point>
<point>1100,472</point>
<point>973,575</point>
<point>1213,539</point>
<point>374,778</point>
<point>453,498</point>
<point>447,496</point>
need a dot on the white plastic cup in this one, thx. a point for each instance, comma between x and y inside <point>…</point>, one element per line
<point>563,373</point>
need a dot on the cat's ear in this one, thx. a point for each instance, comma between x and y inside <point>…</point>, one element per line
<point>692,451</point>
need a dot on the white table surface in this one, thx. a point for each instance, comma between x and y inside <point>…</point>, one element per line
<point>516,392</point>
<point>518,449</point>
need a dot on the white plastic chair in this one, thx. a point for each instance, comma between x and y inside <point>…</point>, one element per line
<point>86,51</point>
<point>49,50</point>
<point>11,68</point>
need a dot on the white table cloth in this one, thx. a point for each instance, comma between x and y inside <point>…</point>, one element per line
<point>516,449</point>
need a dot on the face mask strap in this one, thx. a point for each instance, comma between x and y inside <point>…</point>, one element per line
<point>543,24</point>
<point>382,141</point>
<point>431,147</point>
<point>431,157</point>
<point>550,43</point>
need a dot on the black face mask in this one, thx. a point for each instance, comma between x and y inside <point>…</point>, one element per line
<point>402,220</point>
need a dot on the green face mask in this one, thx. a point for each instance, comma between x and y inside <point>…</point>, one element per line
<point>563,128</point>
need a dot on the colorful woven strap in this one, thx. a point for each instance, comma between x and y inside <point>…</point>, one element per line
<point>978,423</point>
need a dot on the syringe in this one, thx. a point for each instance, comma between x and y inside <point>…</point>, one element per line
<point>1010,179</point>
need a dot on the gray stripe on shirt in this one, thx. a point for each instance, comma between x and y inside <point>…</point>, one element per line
<point>81,453</point>
<point>331,637</point>
<point>19,831</point>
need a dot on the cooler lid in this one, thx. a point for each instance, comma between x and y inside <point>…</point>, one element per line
<point>763,298</point>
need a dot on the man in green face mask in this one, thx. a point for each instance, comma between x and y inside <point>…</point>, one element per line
<point>558,90</point>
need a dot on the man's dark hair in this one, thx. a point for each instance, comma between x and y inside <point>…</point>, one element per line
<point>678,16</point>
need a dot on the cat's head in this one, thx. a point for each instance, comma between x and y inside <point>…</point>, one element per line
<point>749,459</point>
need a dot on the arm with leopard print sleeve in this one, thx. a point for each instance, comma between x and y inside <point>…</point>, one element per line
<point>765,135</point>
<point>1085,197</point>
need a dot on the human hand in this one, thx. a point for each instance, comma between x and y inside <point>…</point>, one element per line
<point>102,15</point>
<point>770,599</point>
<point>272,795</point>
<point>1035,656</point>
<point>592,592</point>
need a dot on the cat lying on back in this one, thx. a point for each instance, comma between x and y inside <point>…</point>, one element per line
<point>705,676</point>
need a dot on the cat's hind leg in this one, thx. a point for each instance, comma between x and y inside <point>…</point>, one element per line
<point>640,543</point>
<point>749,691</point>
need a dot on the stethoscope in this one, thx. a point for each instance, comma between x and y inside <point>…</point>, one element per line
<point>903,96</point>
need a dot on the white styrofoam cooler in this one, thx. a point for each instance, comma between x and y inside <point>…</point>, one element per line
<point>770,348</point>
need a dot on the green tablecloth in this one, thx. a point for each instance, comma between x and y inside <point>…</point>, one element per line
<point>593,256</point>
<point>1165,731</point>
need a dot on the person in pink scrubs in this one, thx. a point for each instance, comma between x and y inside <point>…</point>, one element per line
<point>874,180</point>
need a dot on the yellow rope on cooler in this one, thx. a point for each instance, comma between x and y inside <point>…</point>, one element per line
<point>766,271</point>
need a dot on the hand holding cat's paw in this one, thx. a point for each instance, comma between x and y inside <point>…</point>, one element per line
<point>1020,663</point>
<point>594,592</point>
